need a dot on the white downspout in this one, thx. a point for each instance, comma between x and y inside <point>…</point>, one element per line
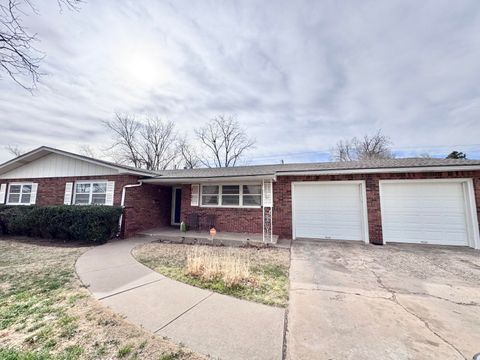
<point>122,203</point>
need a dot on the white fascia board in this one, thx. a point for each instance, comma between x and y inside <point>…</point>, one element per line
<point>21,160</point>
<point>380,170</point>
<point>216,179</point>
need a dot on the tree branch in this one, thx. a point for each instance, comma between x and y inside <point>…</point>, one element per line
<point>372,147</point>
<point>224,142</point>
<point>19,59</point>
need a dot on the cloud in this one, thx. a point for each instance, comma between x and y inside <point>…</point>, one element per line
<point>299,76</point>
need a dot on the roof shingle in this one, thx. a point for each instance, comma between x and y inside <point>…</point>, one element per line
<point>323,166</point>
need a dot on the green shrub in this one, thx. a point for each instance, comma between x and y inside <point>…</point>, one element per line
<point>72,223</point>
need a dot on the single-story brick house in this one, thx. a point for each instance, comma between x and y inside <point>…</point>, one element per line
<point>415,200</point>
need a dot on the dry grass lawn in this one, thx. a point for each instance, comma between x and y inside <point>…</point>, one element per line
<point>46,314</point>
<point>255,274</point>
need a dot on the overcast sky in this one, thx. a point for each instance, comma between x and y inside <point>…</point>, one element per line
<point>298,75</point>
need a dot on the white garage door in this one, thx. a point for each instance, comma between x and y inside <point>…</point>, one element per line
<point>424,212</point>
<point>328,210</point>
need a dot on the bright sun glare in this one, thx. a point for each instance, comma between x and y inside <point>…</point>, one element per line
<point>143,69</point>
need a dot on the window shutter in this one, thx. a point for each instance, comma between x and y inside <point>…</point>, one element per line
<point>67,200</point>
<point>195,195</point>
<point>110,192</point>
<point>267,194</point>
<point>3,192</point>
<point>33,195</point>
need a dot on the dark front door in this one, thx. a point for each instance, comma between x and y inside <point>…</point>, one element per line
<point>177,205</point>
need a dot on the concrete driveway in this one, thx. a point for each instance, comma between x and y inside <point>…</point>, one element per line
<point>354,301</point>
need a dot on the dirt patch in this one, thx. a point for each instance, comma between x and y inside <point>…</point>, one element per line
<point>45,311</point>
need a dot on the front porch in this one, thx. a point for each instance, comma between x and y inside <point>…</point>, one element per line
<point>239,210</point>
<point>174,235</point>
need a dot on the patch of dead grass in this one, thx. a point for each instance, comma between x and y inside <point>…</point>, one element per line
<point>47,313</point>
<point>232,270</point>
<point>256,274</point>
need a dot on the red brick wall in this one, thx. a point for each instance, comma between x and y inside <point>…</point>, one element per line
<point>51,191</point>
<point>250,220</point>
<point>146,207</point>
<point>227,219</point>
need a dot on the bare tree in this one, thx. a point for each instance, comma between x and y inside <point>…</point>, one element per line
<point>224,142</point>
<point>425,155</point>
<point>18,57</point>
<point>345,150</point>
<point>151,145</point>
<point>372,147</point>
<point>189,156</point>
<point>125,130</point>
<point>89,151</point>
<point>14,150</point>
<point>158,144</point>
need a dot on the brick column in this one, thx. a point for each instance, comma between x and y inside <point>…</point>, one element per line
<point>374,210</point>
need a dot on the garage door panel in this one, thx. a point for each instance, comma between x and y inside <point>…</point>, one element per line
<point>332,234</point>
<point>332,224</point>
<point>402,219</point>
<point>426,234</point>
<point>424,212</point>
<point>328,211</point>
<point>326,217</point>
<point>447,205</point>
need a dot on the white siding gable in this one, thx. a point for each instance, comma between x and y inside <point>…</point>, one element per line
<point>56,165</point>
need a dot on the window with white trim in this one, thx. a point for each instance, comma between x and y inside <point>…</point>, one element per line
<point>252,195</point>
<point>230,195</point>
<point>19,194</point>
<point>237,195</point>
<point>210,195</point>
<point>90,193</point>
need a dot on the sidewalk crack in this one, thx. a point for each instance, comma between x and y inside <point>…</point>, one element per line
<point>183,313</point>
<point>108,268</point>
<point>129,289</point>
<point>462,303</point>
<point>341,292</point>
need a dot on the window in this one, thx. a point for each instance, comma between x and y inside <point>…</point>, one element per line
<point>88,193</point>
<point>252,195</point>
<point>210,195</point>
<point>19,194</point>
<point>231,195</point>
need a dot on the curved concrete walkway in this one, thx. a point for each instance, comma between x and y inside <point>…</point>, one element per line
<point>210,323</point>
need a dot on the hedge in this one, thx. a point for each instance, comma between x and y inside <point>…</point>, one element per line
<point>95,224</point>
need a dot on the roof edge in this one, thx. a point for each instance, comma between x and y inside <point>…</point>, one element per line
<point>404,169</point>
<point>206,179</point>
<point>122,169</point>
